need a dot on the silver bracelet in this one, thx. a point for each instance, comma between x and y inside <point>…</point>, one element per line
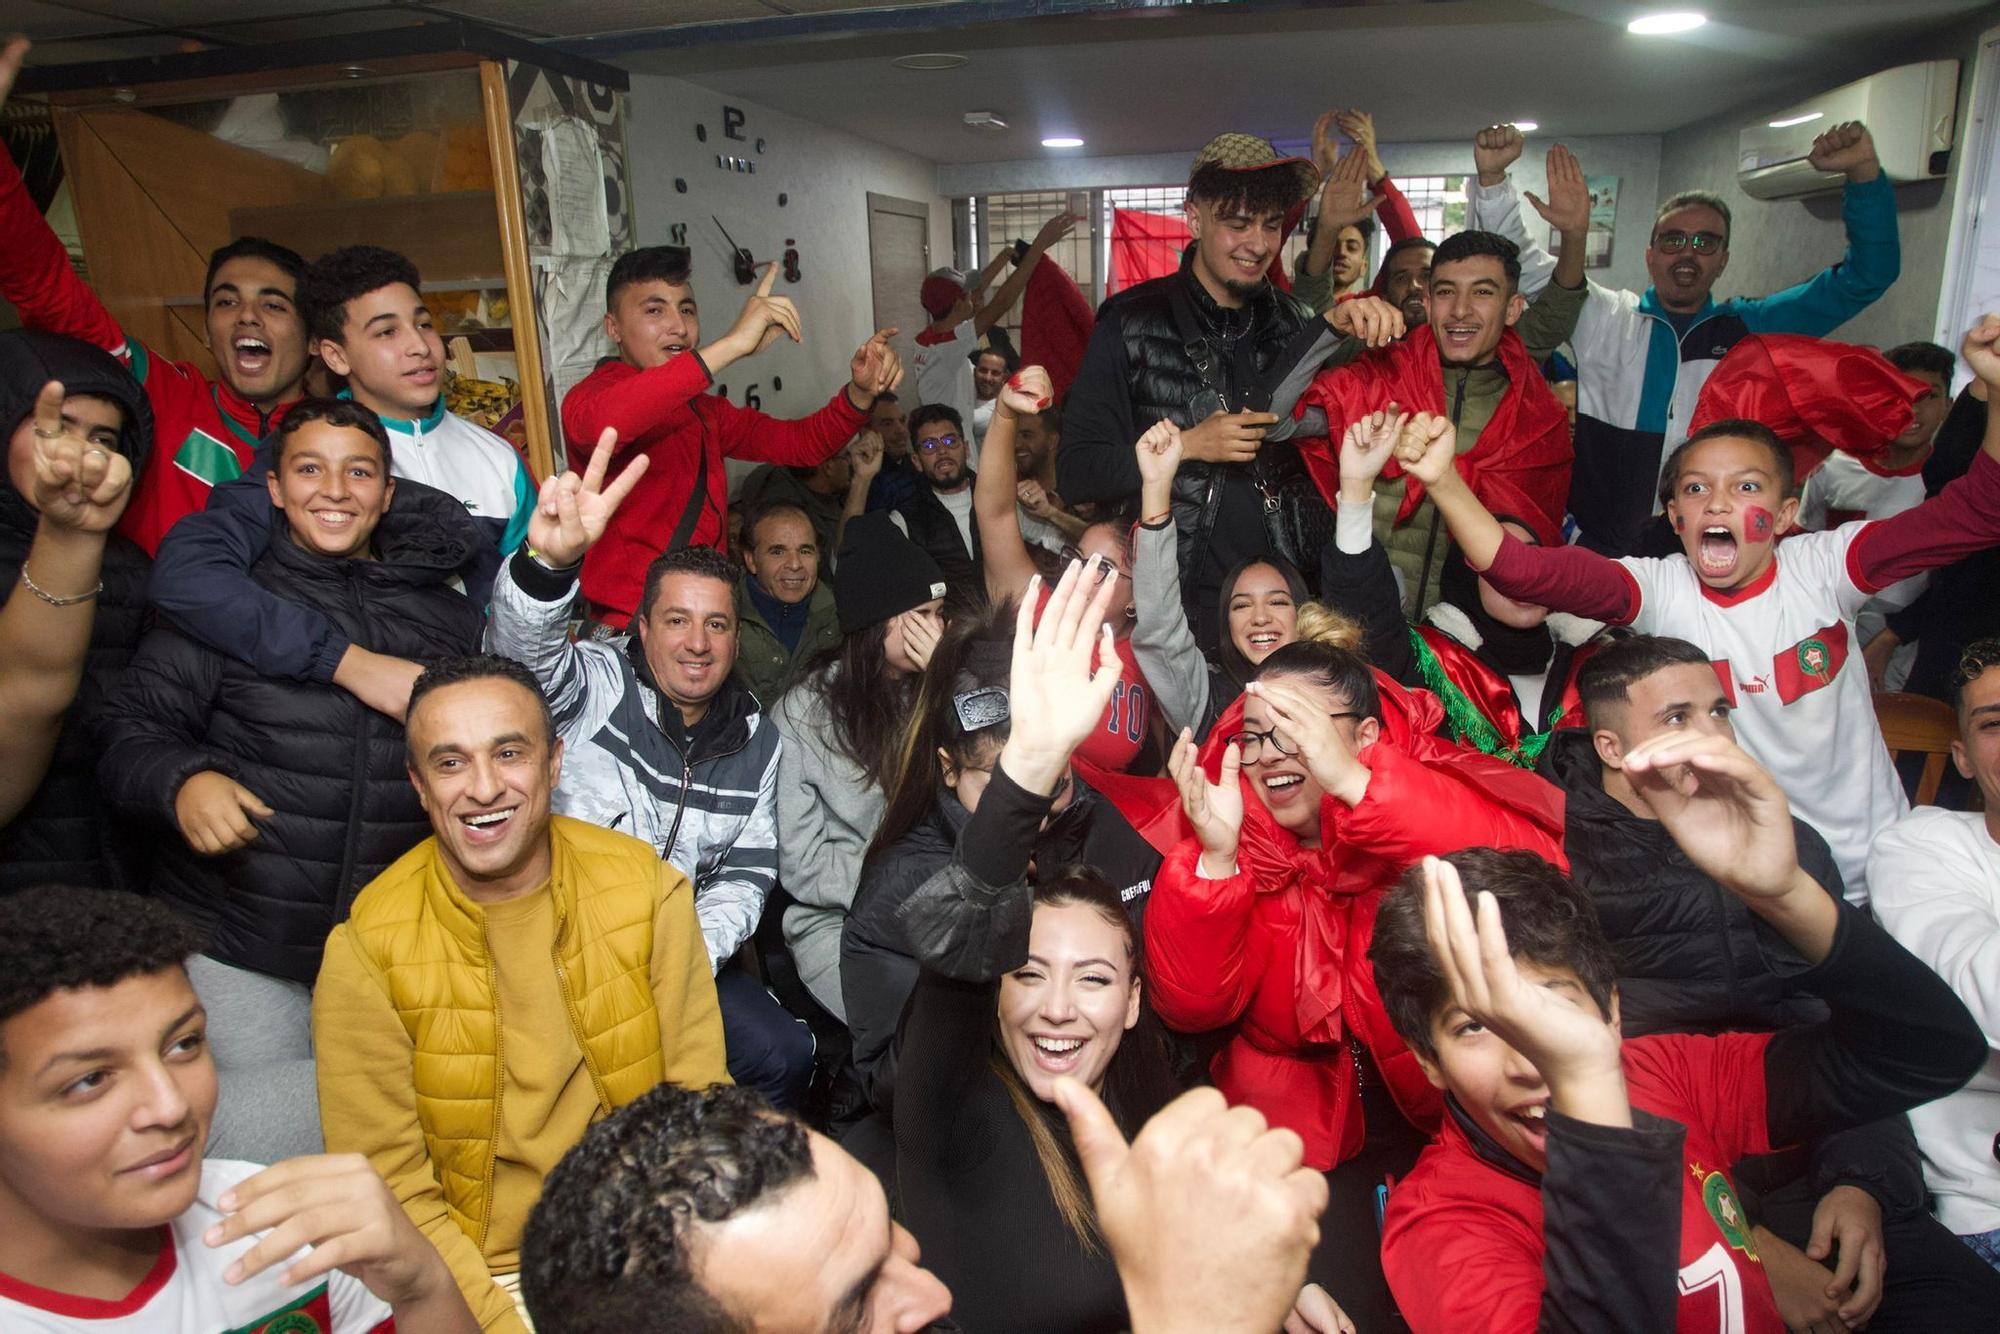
<point>51,598</point>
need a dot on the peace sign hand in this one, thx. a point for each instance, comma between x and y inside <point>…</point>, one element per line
<point>572,512</point>
<point>79,484</point>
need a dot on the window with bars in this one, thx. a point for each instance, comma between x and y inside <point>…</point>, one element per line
<point>1438,202</point>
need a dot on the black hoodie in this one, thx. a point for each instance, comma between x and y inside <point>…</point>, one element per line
<point>62,835</point>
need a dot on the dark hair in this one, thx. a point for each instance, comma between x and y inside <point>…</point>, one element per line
<point>479,667</point>
<point>1472,245</point>
<point>1409,243</point>
<point>1257,194</point>
<point>1138,1081</point>
<point>1674,203</point>
<point>864,708</point>
<point>1611,672</point>
<point>763,510</point>
<point>339,276</point>
<point>1549,921</point>
<point>975,653</point>
<point>935,412</point>
<point>1743,429</point>
<point>1234,665</point>
<point>334,412</point>
<point>55,938</point>
<point>887,396</point>
<point>609,1246</point>
<point>670,264</point>
<point>706,562</point>
<point>283,258</point>
<point>1007,355</point>
<point>1343,671</point>
<point>1923,359</point>
<point>1980,657</point>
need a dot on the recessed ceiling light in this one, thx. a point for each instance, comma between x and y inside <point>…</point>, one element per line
<point>1527,126</point>
<point>931,60</point>
<point>1658,25</point>
<point>1062,141</point>
<point>1790,121</point>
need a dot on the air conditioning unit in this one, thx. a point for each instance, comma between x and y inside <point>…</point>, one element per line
<point>1910,110</point>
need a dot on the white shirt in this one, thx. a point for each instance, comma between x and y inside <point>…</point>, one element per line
<point>944,375</point>
<point>185,1294</point>
<point>959,502</point>
<point>470,464</point>
<point>1935,881</point>
<point>1786,651</point>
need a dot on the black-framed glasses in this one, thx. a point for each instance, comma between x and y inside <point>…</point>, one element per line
<point>1251,743</point>
<point>937,442</point>
<point>1105,570</point>
<point>1702,243</point>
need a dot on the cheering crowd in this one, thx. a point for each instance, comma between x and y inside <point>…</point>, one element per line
<point>1335,803</point>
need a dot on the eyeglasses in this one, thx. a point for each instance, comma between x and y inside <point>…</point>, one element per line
<point>937,442</point>
<point>1702,243</point>
<point>1250,744</point>
<point>1106,570</point>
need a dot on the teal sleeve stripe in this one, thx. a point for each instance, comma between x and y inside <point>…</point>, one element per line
<point>524,509</point>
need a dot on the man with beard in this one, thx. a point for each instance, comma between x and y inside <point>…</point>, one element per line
<point>1045,520</point>
<point>1642,358</point>
<point>1405,273</point>
<point>1208,348</point>
<point>939,516</point>
<point>899,478</point>
<point>990,368</point>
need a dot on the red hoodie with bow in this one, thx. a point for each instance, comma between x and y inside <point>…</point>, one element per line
<point>1280,949</point>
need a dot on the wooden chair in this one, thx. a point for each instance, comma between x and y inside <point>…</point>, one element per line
<point>1921,724</point>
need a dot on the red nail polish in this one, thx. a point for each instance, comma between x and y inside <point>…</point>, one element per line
<point>1043,402</point>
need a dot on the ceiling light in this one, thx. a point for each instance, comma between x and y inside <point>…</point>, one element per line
<point>931,60</point>
<point>1790,121</point>
<point>1062,141</point>
<point>1658,25</point>
<point>1527,126</point>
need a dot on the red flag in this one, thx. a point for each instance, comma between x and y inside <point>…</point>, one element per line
<point>1055,324</point>
<point>1817,395</point>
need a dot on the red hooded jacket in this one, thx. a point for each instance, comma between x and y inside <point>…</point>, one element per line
<point>1521,463</point>
<point>1280,949</point>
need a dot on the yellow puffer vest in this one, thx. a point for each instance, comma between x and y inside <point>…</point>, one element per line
<point>428,940</point>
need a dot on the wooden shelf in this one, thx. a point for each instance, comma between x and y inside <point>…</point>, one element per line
<point>453,233</point>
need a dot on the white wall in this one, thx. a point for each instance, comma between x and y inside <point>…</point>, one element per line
<point>826,176</point>
<point>1778,243</point>
<point>1634,159</point>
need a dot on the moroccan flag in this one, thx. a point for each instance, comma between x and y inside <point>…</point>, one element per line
<point>1817,395</point>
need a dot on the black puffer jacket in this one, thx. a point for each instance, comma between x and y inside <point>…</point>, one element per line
<point>329,767</point>
<point>877,970</point>
<point>1138,369</point>
<point>62,836</point>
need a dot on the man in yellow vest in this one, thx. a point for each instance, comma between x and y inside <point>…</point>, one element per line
<point>509,981</point>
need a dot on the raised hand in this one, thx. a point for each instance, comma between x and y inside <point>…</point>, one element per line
<point>1567,1041</point>
<point>1054,698</point>
<point>1214,809</point>
<point>1847,148</point>
<point>1359,126</point>
<point>1055,229</point>
<point>1724,810</point>
<point>11,56</point>
<point>1209,1212</point>
<point>1328,757</point>
<point>1026,393</point>
<point>1344,195</point>
<point>1227,437</point>
<point>1981,350</point>
<point>1568,208</point>
<point>875,368</point>
<point>1369,318</point>
<point>1158,452</point>
<point>1428,449</point>
<point>79,484</point>
<point>336,1205</point>
<point>864,458</point>
<point>572,512</point>
<point>1324,150</point>
<point>1494,149</point>
<point>1365,450</point>
<point>215,812</point>
<point>764,319</point>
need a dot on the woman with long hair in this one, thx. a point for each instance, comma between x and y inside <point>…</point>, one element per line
<point>1311,795</point>
<point>961,718</point>
<point>1505,671</point>
<point>1257,612</point>
<point>842,724</point>
<point>1030,972</point>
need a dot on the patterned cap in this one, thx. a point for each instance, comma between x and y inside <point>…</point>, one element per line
<point>1246,152</point>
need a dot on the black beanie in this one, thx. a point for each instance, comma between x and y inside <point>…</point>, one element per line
<point>881,573</point>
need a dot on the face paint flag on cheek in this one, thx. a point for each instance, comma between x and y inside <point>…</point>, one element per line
<point>1760,523</point>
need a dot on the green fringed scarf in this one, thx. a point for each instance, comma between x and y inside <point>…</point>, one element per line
<point>1468,725</point>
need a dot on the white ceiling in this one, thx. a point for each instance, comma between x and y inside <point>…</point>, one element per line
<point>1142,80</point>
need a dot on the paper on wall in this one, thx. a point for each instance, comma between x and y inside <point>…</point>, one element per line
<point>573,165</point>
